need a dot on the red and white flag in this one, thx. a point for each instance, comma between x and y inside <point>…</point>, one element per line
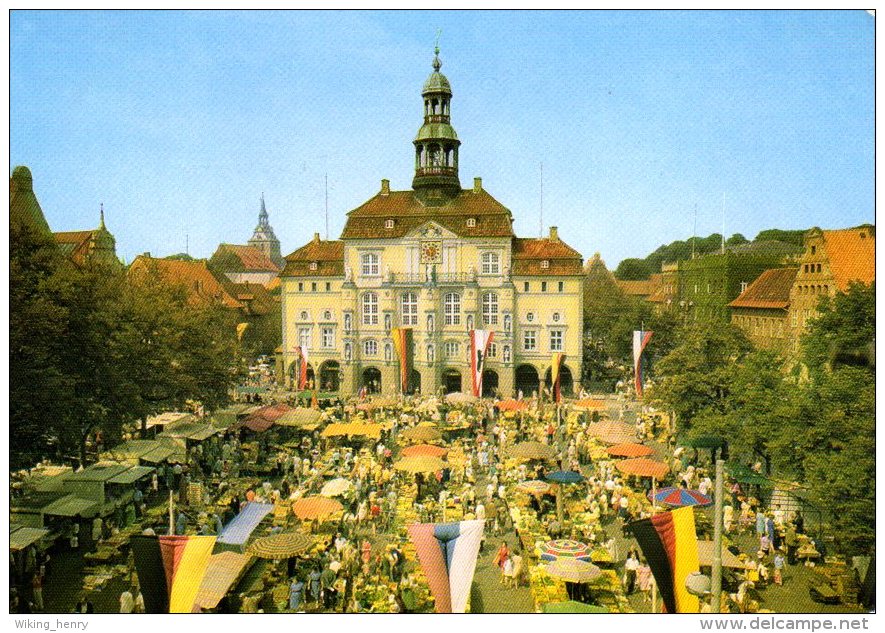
<point>479,345</point>
<point>640,340</point>
<point>302,375</point>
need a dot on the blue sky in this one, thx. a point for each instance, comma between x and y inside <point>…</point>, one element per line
<point>178,122</point>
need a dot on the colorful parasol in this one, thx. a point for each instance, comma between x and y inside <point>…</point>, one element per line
<point>573,570</point>
<point>421,434</point>
<point>461,398</point>
<point>512,405</point>
<point>565,548</point>
<point>630,450</point>
<point>533,487</point>
<point>590,404</point>
<point>315,508</point>
<point>612,432</point>
<point>565,477</point>
<point>427,450</point>
<point>643,467</point>
<point>679,497</point>
<point>281,546</point>
<point>420,464</point>
<point>526,451</point>
<point>336,487</point>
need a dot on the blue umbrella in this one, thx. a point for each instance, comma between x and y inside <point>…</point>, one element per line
<point>565,477</point>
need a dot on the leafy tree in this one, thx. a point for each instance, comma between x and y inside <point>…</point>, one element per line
<point>695,376</point>
<point>790,237</point>
<point>736,240</point>
<point>844,330</point>
<point>633,269</point>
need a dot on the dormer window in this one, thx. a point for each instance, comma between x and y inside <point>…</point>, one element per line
<point>303,315</point>
<point>471,223</point>
<point>545,263</point>
<point>313,265</point>
<point>388,223</point>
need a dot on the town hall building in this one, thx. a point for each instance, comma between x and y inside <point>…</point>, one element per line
<point>441,260</point>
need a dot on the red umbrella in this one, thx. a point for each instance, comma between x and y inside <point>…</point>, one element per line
<point>630,450</point>
<point>643,467</point>
<point>565,548</point>
<point>678,497</point>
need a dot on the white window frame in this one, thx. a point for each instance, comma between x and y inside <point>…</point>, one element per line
<point>493,350</point>
<point>370,347</point>
<point>452,349</point>
<point>304,337</point>
<point>545,263</point>
<point>471,223</point>
<point>370,264</point>
<point>388,223</point>
<point>409,308</point>
<point>369,309</point>
<point>452,308</point>
<point>530,340</point>
<point>327,337</point>
<point>490,308</point>
<point>557,340</point>
<point>490,263</point>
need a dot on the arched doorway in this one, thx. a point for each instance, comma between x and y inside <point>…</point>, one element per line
<point>451,380</point>
<point>489,383</point>
<point>372,379</point>
<point>295,374</point>
<point>526,380</point>
<point>329,376</point>
<point>415,382</point>
<point>566,382</point>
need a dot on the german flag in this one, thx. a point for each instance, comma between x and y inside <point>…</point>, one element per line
<point>670,545</point>
<point>403,342</point>
<point>171,570</point>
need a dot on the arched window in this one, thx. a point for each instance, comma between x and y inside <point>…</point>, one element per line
<point>490,309</point>
<point>506,353</point>
<point>370,309</point>
<point>508,322</point>
<point>430,353</point>
<point>347,322</point>
<point>430,323</point>
<point>388,352</point>
<point>409,304</point>
<point>490,264</point>
<point>370,347</point>
<point>452,308</point>
<point>348,353</point>
<point>370,264</point>
<point>469,322</point>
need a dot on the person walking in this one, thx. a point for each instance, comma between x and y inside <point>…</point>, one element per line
<point>501,557</point>
<point>37,589</point>
<point>314,582</point>
<point>296,590</point>
<point>127,601</point>
<point>779,568</point>
<point>631,567</point>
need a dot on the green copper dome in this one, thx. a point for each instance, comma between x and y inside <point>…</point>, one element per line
<point>437,82</point>
<point>436,131</point>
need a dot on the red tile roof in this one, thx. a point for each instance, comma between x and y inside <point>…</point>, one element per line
<point>852,255</point>
<point>252,258</point>
<point>408,213</point>
<point>528,253</point>
<point>637,288</point>
<point>328,255</point>
<point>74,244</point>
<point>201,285</point>
<point>770,290</point>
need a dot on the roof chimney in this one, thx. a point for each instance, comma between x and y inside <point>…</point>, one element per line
<point>477,185</point>
<point>316,238</point>
<point>146,254</point>
<point>385,187</point>
<point>554,233</point>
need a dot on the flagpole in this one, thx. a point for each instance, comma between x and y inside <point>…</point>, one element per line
<point>171,516</point>
<point>716,576</point>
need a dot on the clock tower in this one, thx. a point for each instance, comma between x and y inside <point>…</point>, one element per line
<point>436,144</point>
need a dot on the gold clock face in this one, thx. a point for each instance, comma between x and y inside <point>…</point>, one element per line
<point>431,252</point>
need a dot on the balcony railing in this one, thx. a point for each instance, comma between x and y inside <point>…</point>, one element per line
<point>421,277</point>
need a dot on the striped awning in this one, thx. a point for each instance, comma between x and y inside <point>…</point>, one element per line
<point>222,573</point>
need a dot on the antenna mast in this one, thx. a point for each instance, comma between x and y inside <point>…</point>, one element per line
<point>541,218</point>
<point>694,231</point>
<point>723,223</point>
<point>326,177</point>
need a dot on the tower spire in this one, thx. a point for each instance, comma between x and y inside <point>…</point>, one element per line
<point>101,215</point>
<point>436,144</point>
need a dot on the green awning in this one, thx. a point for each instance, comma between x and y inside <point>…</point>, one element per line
<point>99,472</point>
<point>71,506</point>
<point>251,390</point>
<point>132,475</point>
<point>746,475</point>
<point>20,537</point>
<point>159,454</point>
<point>197,431</point>
<point>307,394</point>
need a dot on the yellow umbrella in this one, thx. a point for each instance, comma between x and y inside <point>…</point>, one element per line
<point>573,570</point>
<point>421,434</point>
<point>280,546</point>
<point>315,508</point>
<point>420,464</point>
<point>525,451</point>
<point>424,449</point>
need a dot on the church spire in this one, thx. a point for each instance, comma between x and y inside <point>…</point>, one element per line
<point>264,237</point>
<point>436,144</point>
<point>101,225</point>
